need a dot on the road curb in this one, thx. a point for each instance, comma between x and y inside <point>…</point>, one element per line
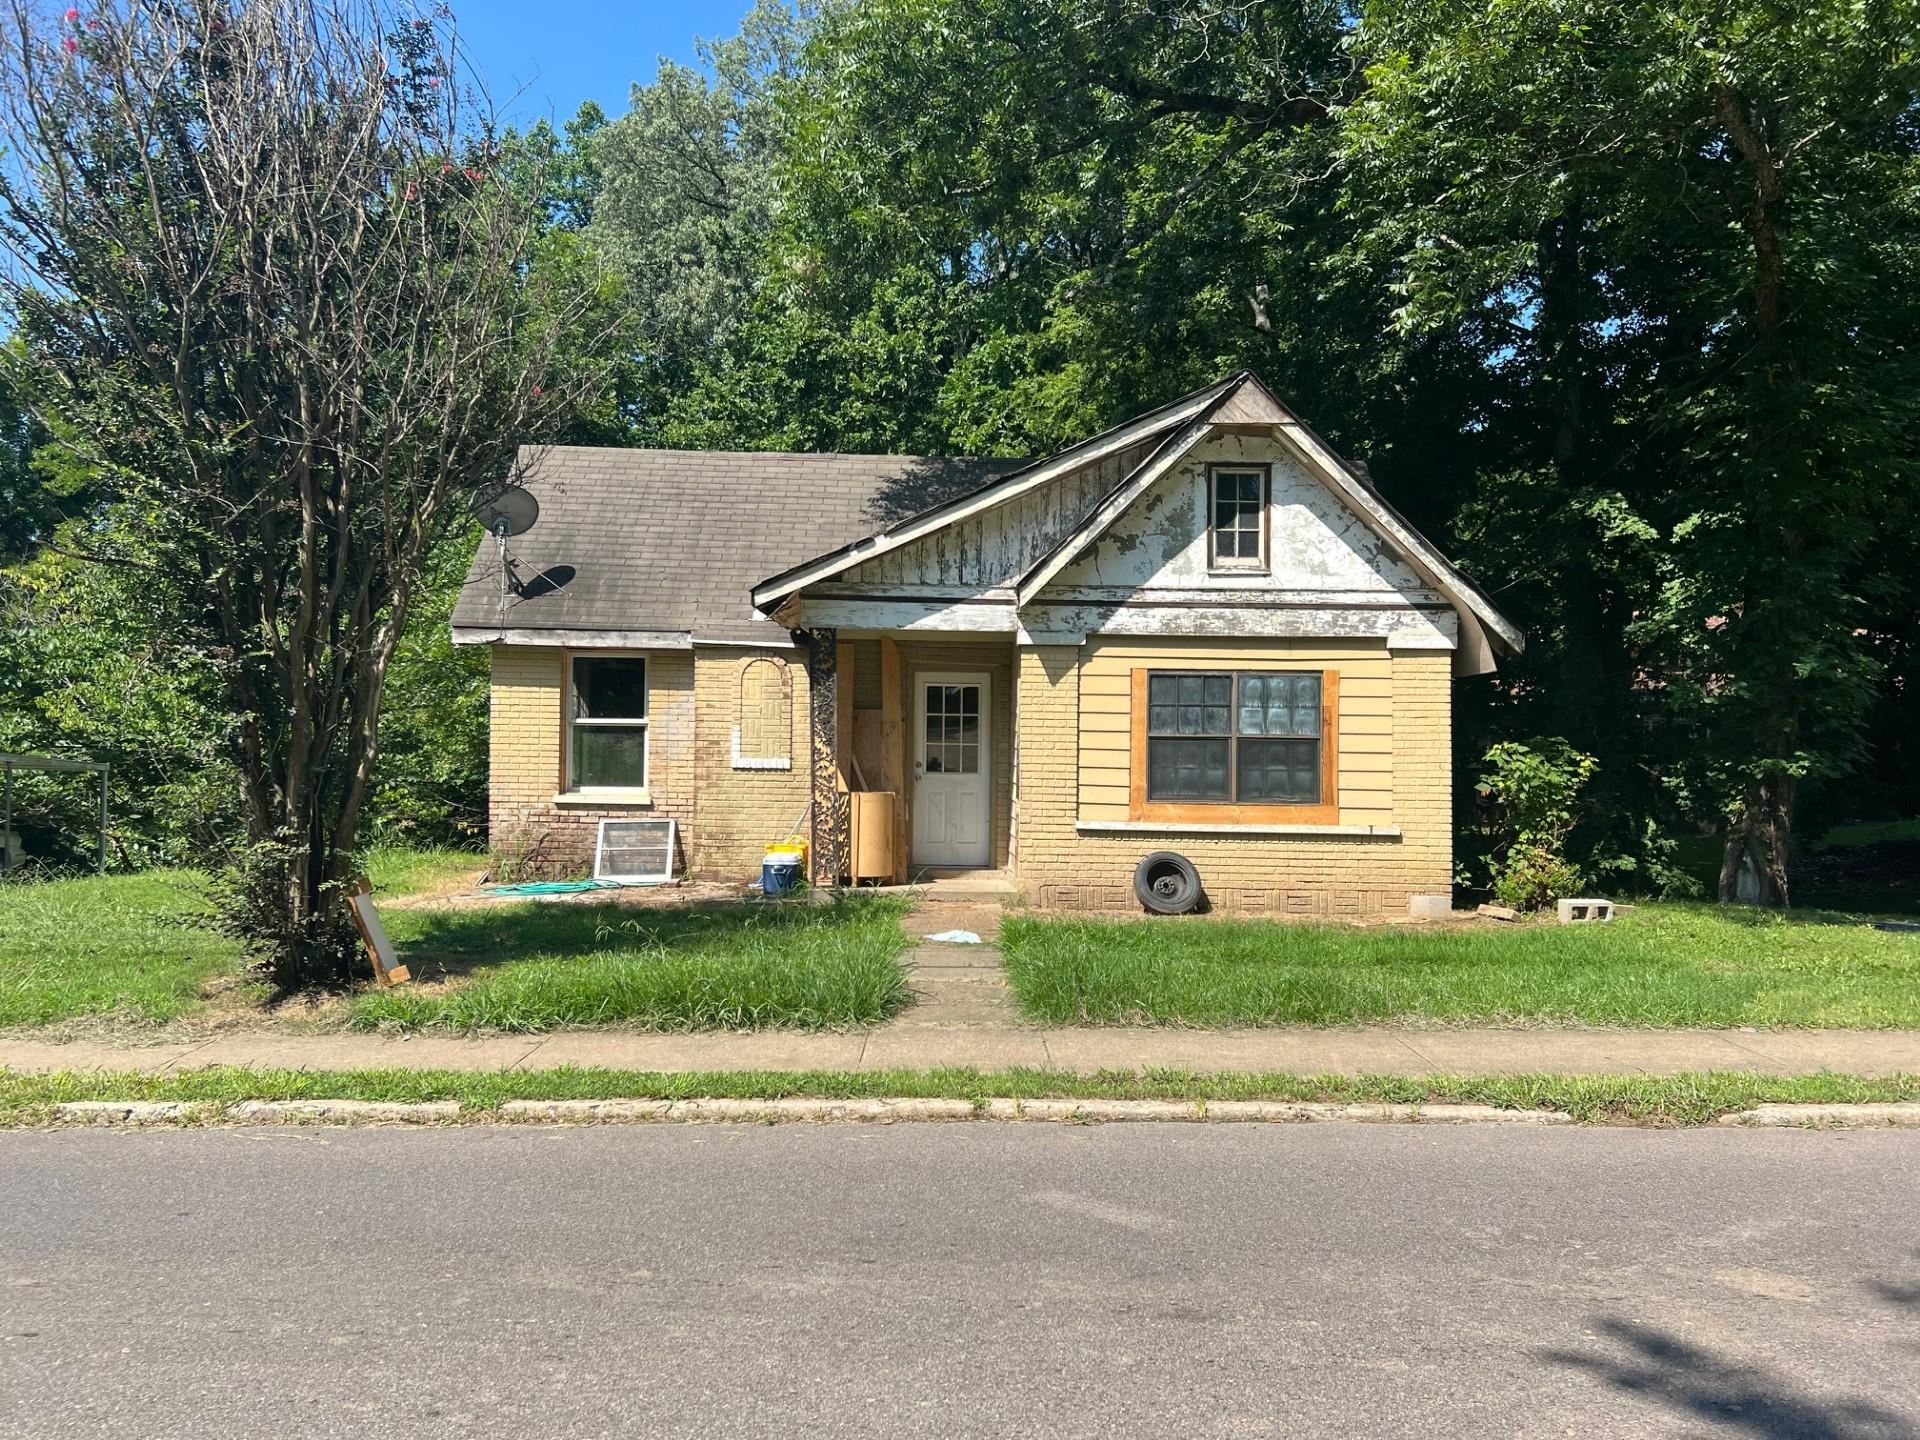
<point>787,1110</point>
<point>1898,1115</point>
<point>351,1112</point>
<point>909,1110</point>
<point>137,1112</point>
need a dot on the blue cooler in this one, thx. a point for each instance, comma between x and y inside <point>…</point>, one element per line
<point>779,873</point>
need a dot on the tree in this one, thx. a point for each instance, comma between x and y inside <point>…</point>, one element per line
<point>1688,228</point>
<point>683,202</point>
<point>269,281</point>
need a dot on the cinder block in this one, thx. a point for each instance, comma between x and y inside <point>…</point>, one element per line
<point>1580,912</point>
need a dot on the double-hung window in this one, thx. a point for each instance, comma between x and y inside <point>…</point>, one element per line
<point>1237,519</point>
<point>1235,737</point>
<point>607,722</point>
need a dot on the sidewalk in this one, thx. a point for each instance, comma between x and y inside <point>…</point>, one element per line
<point>1376,1051</point>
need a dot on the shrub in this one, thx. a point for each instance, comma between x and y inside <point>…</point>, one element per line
<point>1533,788</point>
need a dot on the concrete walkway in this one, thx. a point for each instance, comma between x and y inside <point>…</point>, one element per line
<point>1375,1050</point>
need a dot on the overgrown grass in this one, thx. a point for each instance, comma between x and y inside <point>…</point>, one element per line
<point>1691,1099</point>
<point>142,946</point>
<point>137,945</point>
<point>1665,965</point>
<point>539,967</point>
<point>394,871</point>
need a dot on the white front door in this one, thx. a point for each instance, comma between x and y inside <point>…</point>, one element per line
<point>952,771</point>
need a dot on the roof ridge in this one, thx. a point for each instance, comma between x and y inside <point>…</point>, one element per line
<point>543,448</point>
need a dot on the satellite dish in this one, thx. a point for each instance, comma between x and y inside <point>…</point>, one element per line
<point>509,511</point>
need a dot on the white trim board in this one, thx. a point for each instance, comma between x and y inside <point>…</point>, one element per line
<point>771,591</point>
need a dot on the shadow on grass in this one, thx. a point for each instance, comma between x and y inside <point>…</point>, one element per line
<point>440,944</point>
<point>1731,1397</point>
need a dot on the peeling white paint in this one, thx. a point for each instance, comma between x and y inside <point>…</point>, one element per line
<point>997,546</point>
<point>1315,542</point>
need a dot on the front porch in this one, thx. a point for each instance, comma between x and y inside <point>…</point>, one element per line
<point>912,757</point>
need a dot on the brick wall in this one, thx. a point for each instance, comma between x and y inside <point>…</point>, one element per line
<point>1407,697</point>
<point>740,811</point>
<point>529,820</point>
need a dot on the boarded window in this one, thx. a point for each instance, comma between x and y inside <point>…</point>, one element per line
<point>763,730</point>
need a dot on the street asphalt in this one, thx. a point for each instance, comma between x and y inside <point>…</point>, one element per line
<point>1165,1281</point>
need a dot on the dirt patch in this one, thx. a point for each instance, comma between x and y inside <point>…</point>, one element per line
<point>1889,868</point>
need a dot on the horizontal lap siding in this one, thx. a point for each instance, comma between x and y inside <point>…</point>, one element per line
<point>1365,774</point>
<point>1393,770</point>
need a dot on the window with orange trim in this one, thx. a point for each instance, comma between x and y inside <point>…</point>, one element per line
<point>1228,745</point>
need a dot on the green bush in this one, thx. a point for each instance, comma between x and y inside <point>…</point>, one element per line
<point>1533,788</point>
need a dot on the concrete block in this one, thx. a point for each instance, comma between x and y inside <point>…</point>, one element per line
<point>1430,907</point>
<point>1580,912</point>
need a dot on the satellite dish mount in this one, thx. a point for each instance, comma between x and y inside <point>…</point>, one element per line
<point>507,512</point>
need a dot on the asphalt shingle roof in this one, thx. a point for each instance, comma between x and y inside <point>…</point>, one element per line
<point>674,540</point>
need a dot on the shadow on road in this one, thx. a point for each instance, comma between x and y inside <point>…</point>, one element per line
<point>1734,1398</point>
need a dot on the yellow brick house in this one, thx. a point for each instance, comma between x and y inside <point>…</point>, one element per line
<point>1200,632</point>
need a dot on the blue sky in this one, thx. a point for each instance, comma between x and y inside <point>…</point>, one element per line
<point>541,61</point>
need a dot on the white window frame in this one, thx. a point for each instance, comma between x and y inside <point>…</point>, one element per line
<point>1243,564</point>
<point>569,785</point>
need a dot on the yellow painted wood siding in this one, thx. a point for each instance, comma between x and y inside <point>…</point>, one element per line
<point>1364,767</point>
<point>1393,764</point>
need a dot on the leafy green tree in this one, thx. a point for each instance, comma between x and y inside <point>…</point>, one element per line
<point>267,276</point>
<point>1689,225</point>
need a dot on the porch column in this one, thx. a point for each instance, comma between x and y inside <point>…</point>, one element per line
<point>828,807</point>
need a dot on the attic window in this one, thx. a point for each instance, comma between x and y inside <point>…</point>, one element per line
<point>1237,517</point>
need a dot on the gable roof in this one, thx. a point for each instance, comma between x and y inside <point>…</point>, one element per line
<point>1240,399</point>
<point>667,543</point>
<point>1025,476</point>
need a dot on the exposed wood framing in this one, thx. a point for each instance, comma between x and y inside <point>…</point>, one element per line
<point>827,854</point>
<point>893,747</point>
<point>845,767</point>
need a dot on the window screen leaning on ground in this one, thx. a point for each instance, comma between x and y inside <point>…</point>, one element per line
<point>607,722</point>
<point>1235,741</point>
<point>1237,528</point>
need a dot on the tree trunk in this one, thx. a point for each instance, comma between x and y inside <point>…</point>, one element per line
<point>1753,865</point>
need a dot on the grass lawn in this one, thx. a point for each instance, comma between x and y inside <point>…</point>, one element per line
<point>546,966</point>
<point>143,946</point>
<point>136,945</point>
<point>1593,1099</point>
<point>1662,965</point>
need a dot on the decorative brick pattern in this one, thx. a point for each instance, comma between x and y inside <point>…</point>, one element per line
<point>739,812</point>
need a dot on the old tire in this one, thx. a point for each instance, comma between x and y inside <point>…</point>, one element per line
<point>1166,883</point>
